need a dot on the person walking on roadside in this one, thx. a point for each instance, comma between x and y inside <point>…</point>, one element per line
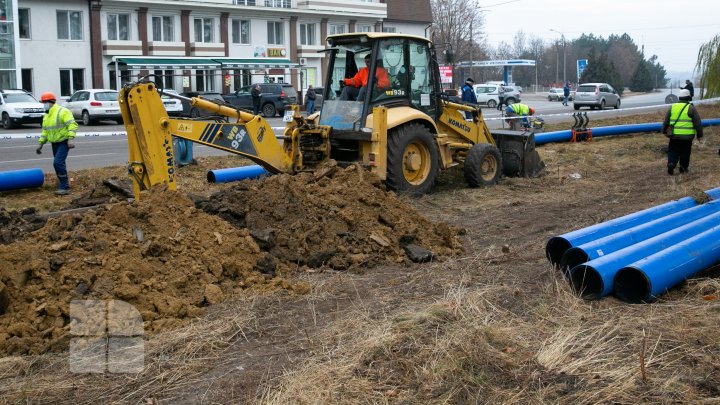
<point>566,93</point>
<point>682,124</point>
<point>518,110</point>
<point>256,95</point>
<point>58,128</point>
<point>501,97</point>
<point>689,86</point>
<point>310,100</point>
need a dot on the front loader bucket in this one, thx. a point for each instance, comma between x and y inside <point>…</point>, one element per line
<point>519,157</point>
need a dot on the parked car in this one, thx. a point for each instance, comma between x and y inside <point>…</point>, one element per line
<point>92,105</point>
<point>173,106</point>
<point>487,94</point>
<point>275,98</point>
<point>453,95</point>
<point>19,107</point>
<point>195,112</point>
<point>512,95</point>
<point>558,94</point>
<point>594,95</point>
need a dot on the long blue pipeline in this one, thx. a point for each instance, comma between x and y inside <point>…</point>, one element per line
<point>647,278</point>
<point>566,135</point>
<point>235,174</point>
<point>611,243</point>
<point>558,245</point>
<point>19,179</point>
<point>594,279</point>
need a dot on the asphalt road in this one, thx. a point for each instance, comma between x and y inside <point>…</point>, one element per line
<point>106,144</point>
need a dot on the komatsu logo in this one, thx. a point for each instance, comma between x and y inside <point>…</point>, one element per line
<point>169,160</point>
<point>460,125</point>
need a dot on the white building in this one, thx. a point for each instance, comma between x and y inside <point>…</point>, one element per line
<point>212,45</point>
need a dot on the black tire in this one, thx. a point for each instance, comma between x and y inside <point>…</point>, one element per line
<point>269,110</point>
<point>576,107</point>
<point>617,105</point>
<point>509,101</point>
<point>602,104</point>
<point>194,113</point>
<point>7,122</point>
<point>483,165</point>
<point>86,120</point>
<point>412,160</point>
<point>492,103</point>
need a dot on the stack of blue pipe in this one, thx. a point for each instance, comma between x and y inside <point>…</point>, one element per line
<point>641,255</point>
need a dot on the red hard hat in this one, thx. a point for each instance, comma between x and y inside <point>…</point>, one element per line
<point>532,111</point>
<point>47,96</point>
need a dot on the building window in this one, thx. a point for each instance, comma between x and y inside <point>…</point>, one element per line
<point>389,29</point>
<point>165,78</point>
<point>124,78</point>
<point>275,33</point>
<point>204,28</point>
<point>364,28</point>
<point>26,80</point>
<point>241,78</point>
<point>240,31</point>
<point>118,27</point>
<point>204,80</point>
<point>307,34</point>
<point>71,80</point>
<point>244,2</point>
<point>336,29</point>
<point>278,3</point>
<point>163,29</point>
<point>24,22</point>
<point>69,25</point>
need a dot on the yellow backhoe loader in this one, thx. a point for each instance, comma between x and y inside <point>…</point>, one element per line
<point>399,126</point>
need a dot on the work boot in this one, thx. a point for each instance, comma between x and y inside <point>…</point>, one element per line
<point>671,169</point>
<point>683,170</point>
<point>62,191</point>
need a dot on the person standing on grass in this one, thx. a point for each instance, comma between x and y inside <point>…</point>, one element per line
<point>682,124</point>
<point>58,128</point>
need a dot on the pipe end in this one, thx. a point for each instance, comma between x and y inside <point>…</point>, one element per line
<point>571,258</point>
<point>587,282</point>
<point>632,285</point>
<point>555,249</point>
<point>210,176</point>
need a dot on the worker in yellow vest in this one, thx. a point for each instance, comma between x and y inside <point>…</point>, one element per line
<point>682,124</point>
<point>58,128</point>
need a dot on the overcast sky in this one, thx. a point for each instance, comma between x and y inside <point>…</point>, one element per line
<point>672,30</point>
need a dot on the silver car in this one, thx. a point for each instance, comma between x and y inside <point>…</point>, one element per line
<point>92,105</point>
<point>594,95</point>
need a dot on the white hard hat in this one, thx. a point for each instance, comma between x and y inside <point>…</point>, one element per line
<point>684,93</point>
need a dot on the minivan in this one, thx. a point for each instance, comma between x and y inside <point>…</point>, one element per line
<point>594,95</point>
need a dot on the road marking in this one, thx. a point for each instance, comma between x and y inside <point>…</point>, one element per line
<point>70,156</point>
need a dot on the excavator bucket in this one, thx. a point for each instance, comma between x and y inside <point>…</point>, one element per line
<point>519,157</point>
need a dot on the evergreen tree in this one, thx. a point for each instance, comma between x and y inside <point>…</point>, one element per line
<point>600,70</point>
<point>642,80</point>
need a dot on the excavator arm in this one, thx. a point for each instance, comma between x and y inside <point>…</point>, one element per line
<point>150,131</point>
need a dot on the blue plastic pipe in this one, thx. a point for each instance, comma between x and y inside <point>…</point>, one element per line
<point>594,279</point>
<point>183,149</point>
<point>19,179</point>
<point>647,278</point>
<point>558,245</point>
<point>235,174</point>
<point>566,135</point>
<point>611,243</point>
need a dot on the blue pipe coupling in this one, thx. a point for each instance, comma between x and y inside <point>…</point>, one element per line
<point>235,174</point>
<point>19,179</point>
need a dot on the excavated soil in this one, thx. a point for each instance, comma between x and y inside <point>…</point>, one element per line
<point>170,259</point>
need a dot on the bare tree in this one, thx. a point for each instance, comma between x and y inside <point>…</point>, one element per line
<point>459,23</point>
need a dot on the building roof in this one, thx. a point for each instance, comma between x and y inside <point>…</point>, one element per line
<point>409,11</point>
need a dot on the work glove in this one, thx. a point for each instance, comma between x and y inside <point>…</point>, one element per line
<point>342,83</point>
<point>39,149</point>
<point>70,144</point>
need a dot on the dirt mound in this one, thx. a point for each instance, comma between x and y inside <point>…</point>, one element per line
<point>341,218</point>
<point>15,225</point>
<point>162,255</point>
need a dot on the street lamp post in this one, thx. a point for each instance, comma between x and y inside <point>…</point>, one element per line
<point>562,35</point>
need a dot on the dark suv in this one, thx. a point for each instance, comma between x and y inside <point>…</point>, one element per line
<point>276,97</point>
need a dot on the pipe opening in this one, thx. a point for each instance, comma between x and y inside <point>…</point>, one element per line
<point>571,258</point>
<point>632,285</point>
<point>555,248</point>
<point>587,282</point>
<point>210,176</point>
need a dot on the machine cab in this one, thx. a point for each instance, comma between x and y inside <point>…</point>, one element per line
<point>371,69</point>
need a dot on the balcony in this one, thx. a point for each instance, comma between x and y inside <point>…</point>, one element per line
<point>207,49</point>
<point>127,48</point>
<point>160,48</point>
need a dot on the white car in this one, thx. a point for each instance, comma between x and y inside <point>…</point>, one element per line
<point>173,106</point>
<point>19,107</point>
<point>92,105</point>
<point>596,95</point>
<point>487,94</point>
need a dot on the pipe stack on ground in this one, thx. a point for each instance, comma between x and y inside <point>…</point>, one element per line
<point>592,257</point>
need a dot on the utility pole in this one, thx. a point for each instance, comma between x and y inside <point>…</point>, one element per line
<point>562,35</point>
